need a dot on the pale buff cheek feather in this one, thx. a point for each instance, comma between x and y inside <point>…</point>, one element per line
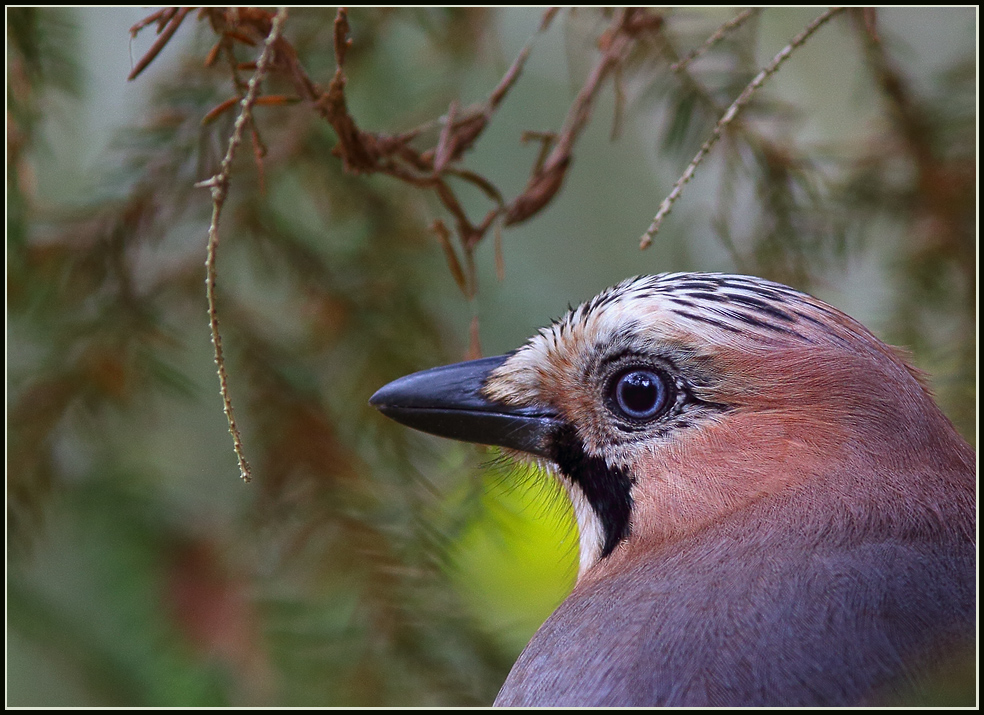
<point>590,532</point>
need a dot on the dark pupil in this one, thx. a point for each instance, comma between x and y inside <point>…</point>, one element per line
<point>640,393</point>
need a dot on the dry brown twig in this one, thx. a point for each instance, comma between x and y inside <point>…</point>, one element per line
<point>615,43</point>
<point>727,118</point>
<point>715,37</point>
<point>364,152</point>
<point>168,21</point>
<point>219,185</point>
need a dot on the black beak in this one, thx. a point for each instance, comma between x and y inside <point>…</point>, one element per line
<point>447,401</point>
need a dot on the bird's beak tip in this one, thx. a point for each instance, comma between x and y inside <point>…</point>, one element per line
<point>448,402</point>
<point>377,399</point>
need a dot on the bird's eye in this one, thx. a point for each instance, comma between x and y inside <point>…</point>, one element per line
<point>639,394</point>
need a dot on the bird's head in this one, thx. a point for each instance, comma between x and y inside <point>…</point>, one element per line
<point>667,402</point>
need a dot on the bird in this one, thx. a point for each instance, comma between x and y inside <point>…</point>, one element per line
<point>772,510</point>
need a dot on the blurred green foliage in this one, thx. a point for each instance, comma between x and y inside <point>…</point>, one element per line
<point>367,565</point>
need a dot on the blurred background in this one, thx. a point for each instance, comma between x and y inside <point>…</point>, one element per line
<point>366,564</point>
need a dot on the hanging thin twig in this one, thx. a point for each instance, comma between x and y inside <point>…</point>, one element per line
<point>729,115</point>
<point>718,35</point>
<point>219,184</point>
